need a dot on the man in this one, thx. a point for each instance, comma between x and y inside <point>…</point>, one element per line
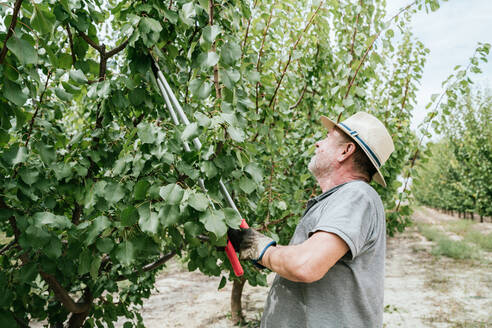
<point>331,274</point>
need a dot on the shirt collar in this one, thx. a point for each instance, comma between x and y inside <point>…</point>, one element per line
<point>327,193</point>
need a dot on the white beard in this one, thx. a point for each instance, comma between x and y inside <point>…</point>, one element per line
<point>312,165</point>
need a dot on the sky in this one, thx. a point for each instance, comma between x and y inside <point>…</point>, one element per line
<point>451,34</point>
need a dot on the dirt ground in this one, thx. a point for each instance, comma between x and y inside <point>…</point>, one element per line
<point>420,289</point>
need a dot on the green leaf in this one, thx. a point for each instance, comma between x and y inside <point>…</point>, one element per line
<point>23,50</point>
<point>28,272</point>
<point>214,222</point>
<point>229,77</point>
<point>172,193</point>
<point>4,137</point>
<point>232,218</point>
<point>208,59</point>
<point>85,259</point>
<point>94,268</point>
<point>222,283</point>
<point>209,168</point>
<point>49,219</point>
<point>230,53</point>
<point>191,228</point>
<point>104,245</point>
<point>28,175</point>
<point>140,189</point>
<point>255,171</point>
<point>42,20</point>
<point>187,13</point>
<point>236,133</point>
<point>171,16</point>
<point>15,155</point>
<point>148,220</point>
<point>114,192</point>
<point>146,133</point>
<point>198,201</point>
<point>129,216</point>
<point>169,215</point>
<point>247,185</point>
<point>148,24</point>
<point>190,131</point>
<point>97,226</point>
<point>200,88</point>
<point>125,253</point>
<point>62,170</point>
<point>209,33</point>
<point>53,249</point>
<point>78,76</point>
<point>63,95</point>
<point>13,92</point>
<point>46,152</point>
<point>37,237</point>
<point>7,319</point>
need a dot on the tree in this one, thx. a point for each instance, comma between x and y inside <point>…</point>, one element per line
<point>456,172</point>
<point>95,185</point>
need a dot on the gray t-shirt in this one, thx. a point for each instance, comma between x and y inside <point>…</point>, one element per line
<point>351,292</point>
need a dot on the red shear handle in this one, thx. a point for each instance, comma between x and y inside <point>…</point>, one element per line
<point>232,256</point>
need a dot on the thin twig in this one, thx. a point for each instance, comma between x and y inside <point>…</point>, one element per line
<point>370,47</point>
<point>70,40</point>
<point>17,7</point>
<point>300,97</point>
<point>31,124</point>
<point>291,52</point>
<point>216,66</point>
<point>246,33</point>
<point>151,266</point>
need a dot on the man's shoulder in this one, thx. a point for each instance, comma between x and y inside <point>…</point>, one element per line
<point>358,186</point>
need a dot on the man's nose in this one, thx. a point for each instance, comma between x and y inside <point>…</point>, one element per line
<point>317,144</point>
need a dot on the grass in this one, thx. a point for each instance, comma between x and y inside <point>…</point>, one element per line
<point>460,250</point>
<point>484,241</point>
<point>456,249</point>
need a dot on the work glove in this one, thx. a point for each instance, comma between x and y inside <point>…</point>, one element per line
<point>250,243</point>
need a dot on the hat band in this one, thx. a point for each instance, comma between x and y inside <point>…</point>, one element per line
<point>355,134</point>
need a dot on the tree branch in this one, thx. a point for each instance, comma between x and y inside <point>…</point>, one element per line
<point>370,47</point>
<point>246,33</point>
<point>62,295</point>
<point>31,124</point>
<point>17,7</point>
<point>7,247</point>
<point>151,266</point>
<point>90,41</point>
<point>116,50</point>
<point>218,94</point>
<point>406,94</point>
<point>291,52</point>
<point>300,97</point>
<point>70,40</point>
<point>260,53</point>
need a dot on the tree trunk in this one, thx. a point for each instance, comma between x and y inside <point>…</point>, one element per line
<point>77,319</point>
<point>236,306</point>
<point>481,218</point>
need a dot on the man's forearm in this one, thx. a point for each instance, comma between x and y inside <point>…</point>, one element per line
<point>306,262</point>
<point>285,261</point>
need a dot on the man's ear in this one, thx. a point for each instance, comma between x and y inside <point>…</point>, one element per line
<point>348,149</point>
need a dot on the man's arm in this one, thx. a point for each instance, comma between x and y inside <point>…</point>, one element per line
<point>306,262</point>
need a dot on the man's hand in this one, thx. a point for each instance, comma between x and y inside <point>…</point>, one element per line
<point>250,243</point>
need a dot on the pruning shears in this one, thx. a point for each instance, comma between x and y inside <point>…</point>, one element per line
<point>177,114</point>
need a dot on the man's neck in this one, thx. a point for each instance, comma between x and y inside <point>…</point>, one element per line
<point>336,178</point>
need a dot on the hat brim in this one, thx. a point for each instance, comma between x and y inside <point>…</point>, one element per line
<point>330,124</point>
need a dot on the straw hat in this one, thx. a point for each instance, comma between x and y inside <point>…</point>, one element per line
<point>371,135</point>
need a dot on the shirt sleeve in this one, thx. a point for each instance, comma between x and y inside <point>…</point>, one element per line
<point>349,216</point>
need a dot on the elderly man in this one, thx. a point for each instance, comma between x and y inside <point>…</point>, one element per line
<point>331,274</point>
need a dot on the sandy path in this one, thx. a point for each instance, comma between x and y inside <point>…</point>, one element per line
<point>420,290</point>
